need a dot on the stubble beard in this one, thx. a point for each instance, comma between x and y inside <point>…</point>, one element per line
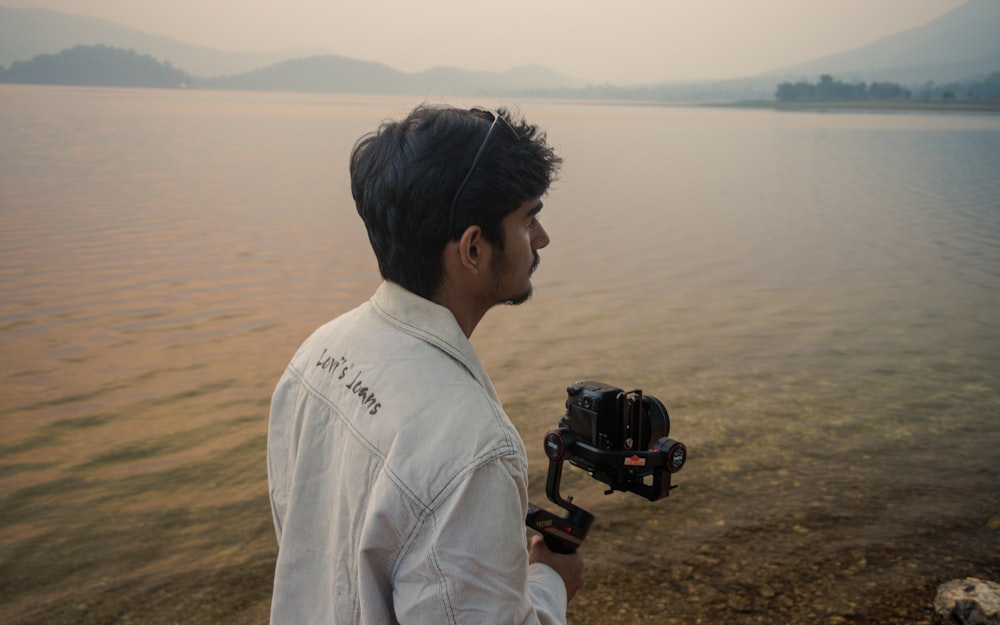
<point>499,268</point>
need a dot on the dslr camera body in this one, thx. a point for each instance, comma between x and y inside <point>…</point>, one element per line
<point>621,439</point>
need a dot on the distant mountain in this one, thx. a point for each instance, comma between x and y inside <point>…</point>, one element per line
<point>95,66</point>
<point>27,33</point>
<point>962,44</point>
<point>524,78</point>
<point>338,74</point>
<point>329,73</point>
<point>958,46</point>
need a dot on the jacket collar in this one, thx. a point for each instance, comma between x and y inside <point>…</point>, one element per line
<point>432,323</point>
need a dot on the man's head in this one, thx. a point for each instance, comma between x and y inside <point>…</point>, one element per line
<point>421,182</point>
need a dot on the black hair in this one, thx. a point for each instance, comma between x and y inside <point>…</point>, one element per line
<point>404,178</point>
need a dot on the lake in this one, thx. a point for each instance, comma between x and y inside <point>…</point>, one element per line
<point>813,295</point>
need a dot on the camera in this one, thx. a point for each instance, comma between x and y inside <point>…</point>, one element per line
<point>621,439</point>
<point>604,427</point>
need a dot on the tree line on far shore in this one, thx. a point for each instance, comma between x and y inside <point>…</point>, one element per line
<point>829,90</point>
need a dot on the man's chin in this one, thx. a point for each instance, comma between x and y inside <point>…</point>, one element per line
<point>526,295</point>
<point>520,299</point>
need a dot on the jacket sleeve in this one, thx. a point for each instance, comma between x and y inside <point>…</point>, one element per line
<point>469,564</point>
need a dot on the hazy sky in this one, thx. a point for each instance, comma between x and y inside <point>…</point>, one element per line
<point>621,42</point>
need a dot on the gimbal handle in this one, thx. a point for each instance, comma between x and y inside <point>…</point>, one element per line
<point>562,534</point>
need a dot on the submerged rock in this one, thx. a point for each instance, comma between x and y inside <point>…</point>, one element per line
<point>968,601</point>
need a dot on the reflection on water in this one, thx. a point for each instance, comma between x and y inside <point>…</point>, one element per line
<point>813,296</point>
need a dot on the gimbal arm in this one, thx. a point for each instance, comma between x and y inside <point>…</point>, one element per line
<point>562,534</point>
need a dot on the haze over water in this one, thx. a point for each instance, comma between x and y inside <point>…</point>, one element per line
<point>814,297</point>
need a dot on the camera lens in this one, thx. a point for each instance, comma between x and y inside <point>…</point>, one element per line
<point>657,421</point>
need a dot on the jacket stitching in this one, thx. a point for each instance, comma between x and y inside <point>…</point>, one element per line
<point>423,334</point>
<point>449,608</point>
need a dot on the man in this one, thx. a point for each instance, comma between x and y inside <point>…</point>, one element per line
<point>398,485</point>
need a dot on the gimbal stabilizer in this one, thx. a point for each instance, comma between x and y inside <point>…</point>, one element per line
<point>619,423</point>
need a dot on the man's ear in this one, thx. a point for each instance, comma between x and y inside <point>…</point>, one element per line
<point>471,248</point>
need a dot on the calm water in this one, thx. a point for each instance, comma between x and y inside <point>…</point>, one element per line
<point>814,296</point>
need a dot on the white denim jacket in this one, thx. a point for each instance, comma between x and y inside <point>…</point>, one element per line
<point>398,485</point>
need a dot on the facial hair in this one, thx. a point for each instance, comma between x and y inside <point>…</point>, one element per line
<point>499,268</point>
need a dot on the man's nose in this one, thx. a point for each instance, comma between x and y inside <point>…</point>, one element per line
<point>541,238</point>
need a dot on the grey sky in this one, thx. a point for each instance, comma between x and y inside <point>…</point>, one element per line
<point>622,42</point>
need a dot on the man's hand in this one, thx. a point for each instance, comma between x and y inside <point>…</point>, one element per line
<point>569,566</point>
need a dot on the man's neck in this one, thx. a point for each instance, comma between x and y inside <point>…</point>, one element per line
<point>468,313</point>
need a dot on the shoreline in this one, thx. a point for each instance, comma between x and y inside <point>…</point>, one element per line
<point>867,105</point>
